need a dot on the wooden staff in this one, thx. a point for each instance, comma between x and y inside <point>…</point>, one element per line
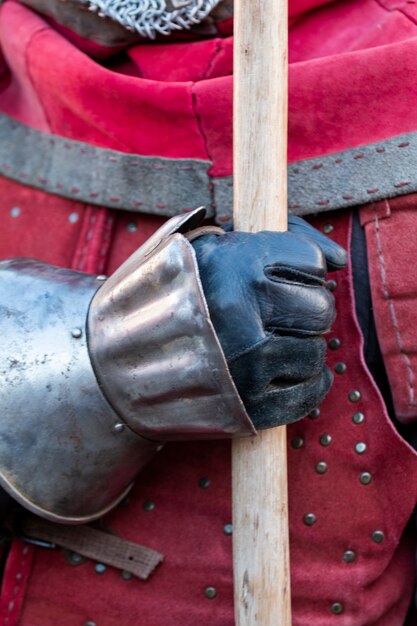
<point>260,515</point>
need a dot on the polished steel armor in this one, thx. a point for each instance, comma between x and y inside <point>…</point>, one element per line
<point>59,454</point>
<point>72,439</point>
<point>154,349</point>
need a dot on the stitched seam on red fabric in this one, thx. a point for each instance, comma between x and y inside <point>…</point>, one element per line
<point>197,116</point>
<point>106,241</point>
<point>218,48</point>
<point>79,263</point>
<point>16,589</point>
<point>392,312</point>
<point>199,121</point>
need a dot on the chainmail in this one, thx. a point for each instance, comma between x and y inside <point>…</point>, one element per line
<point>152,17</point>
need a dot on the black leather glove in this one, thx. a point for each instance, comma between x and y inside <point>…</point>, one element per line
<point>269,304</point>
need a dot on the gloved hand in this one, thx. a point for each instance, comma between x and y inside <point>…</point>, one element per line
<point>269,304</point>
<point>114,368</point>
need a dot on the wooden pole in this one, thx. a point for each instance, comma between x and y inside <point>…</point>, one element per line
<point>260,516</point>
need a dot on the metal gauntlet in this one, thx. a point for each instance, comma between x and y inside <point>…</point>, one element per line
<point>95,375</point>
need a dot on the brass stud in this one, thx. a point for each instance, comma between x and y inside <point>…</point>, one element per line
<point>331,284</point>
<point>100,568</point>
<point>131,227</point>
<point>360,447</point>
<point>15,211</point>
<point>337,608</point>
<point>314,414</point>
<point>210,592</point>
<point>76,333</point>
<point>321,467</point>
<point>349,556</point>
<point>358,418</point>
<point>334,343</point>
<point>365,478</point>
<point>378,536</point>
<point>204,483</point>
<point>354,395</point>
<point>325,440</point>
<point>340,368</point>
<point>309,519</point>
<point>327,229</point>
<point>148,506</point>
<point>297,443</point>
<point>126,575</point>
<point>90,623</point>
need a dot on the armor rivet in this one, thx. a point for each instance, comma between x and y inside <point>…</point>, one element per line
<point>100,568</point>
<point>354,395</point>
<point>90,623</point>
<point>325,440</point>
<point>126,575</point>
<point>337,608</point>
<point>297,443</point>
<point>309,519</point>
<point>358,418</point>
<point>204,482</point>
<point>365,478</point>
<point>228,529</point>
<point>321,467</point>
<point>74,558</point>
<point>334,343</point>
<point>118,428</point>
<point>349,556</point>
<point>132,227</point>
<point>340,368</point>
<point>360,447</point>
<point>314,414</point>
<point>101,277</point>
<point>378,536</point>
<point>77,333</point>
<point>327,229</point>
<point>331,284</point>
<point>210,592</point>
<point>148,506</point>
<point>72,218</point>
<point>15,212</point>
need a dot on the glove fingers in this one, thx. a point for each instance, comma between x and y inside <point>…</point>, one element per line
<point>289,250</point>
<point>300,308</point>
<point>336,256</point>
<point>283,405</point>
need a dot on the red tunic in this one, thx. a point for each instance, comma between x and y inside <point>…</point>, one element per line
<point>352,479</point>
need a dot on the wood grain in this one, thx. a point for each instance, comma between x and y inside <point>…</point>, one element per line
<point>260,510</point>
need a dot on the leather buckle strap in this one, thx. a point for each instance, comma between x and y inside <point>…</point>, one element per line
<point>92,543</point>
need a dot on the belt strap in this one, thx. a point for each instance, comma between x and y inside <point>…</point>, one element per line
<point>94,544</point>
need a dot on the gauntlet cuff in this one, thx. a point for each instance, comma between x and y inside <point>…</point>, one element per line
<point>154,349</point>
